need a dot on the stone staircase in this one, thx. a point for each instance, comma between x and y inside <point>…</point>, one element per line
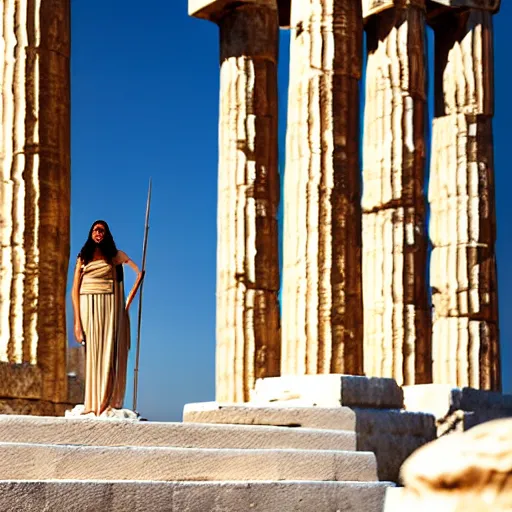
<point>391,435</point>
<point>328,443</point>
<point>108,465</point>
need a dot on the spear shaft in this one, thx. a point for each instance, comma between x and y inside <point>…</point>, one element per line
<point>139,316</point>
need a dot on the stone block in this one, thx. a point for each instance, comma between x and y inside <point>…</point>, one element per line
<point>391,434</point>
<point>443,399</point>
<point>117,496</point>
<point>329,390</point>
<point>91,432</point>
<point>472,419</point>
<point>360,420</point>
<point>283,496</point>
<point>40,462</point>
<point>429,398</point>
<point>340,418</point>
<point>20,381</point>
<point>395,422</point>
<point>470,399</point>
<point>457,409</point>
<point>16,406</point>
<point>391,451</point>
<point>212,10</point>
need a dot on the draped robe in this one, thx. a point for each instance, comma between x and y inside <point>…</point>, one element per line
<point>107,336</point>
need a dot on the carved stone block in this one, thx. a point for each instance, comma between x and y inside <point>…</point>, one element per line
<point>20,381</point>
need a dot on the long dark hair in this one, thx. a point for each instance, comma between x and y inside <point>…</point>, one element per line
<point>107,246</point>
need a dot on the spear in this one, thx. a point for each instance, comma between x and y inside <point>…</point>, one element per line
<point>139,318</point>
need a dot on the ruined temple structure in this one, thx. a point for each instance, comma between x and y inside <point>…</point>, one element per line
<point>355,296</point>
<point>34,200</point>
<point>364,361</point>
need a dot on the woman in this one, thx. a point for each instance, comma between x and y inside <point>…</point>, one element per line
<point>101,319</point>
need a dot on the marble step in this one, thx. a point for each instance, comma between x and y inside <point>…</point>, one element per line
<point>51,430</point>
<point>136,496</point>
<point>350,419</point>
<point>41,462</point>
<point>392,434</point>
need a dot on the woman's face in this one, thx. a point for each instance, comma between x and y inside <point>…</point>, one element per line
<point>98,233</point>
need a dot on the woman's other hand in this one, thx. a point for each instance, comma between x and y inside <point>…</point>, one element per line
<point>79,333</point>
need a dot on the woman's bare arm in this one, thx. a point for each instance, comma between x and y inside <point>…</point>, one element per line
<point>123,259</point>
<point>75,297</point>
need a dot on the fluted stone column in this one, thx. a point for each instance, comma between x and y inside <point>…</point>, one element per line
<point>461,193</point>
<point>322,299</point>
<point>248,195</point>
<point>34,195</point>
<point>396,309</point>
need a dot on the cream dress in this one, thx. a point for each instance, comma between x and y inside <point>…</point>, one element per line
<point>107,337</point>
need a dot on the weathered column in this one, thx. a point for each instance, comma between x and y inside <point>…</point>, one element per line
<point>248,195</point>
<point>34,195</point>
<point>396,309</point>
<point>322,299</point>
<point>461,193</point>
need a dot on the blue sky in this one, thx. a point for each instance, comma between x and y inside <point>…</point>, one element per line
<point>145,84</point>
